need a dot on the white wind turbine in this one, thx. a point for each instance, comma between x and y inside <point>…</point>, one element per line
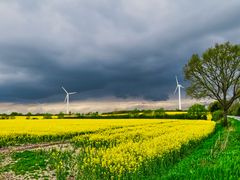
<point>179,86</point>
<point>67,98</point>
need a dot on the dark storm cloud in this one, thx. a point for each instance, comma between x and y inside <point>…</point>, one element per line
<point>126,49</point>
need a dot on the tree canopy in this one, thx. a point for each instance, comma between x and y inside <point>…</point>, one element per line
<point>197,111</point>
<point>214,106</point>
<point>216,75</point>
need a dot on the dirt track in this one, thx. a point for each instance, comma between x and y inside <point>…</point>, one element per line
<point>7,150</point>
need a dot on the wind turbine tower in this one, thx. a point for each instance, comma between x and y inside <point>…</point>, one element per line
<point>67,98</point>
<point>179,86</point>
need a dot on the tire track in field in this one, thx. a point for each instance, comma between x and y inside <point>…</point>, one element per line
<point>8,150</point>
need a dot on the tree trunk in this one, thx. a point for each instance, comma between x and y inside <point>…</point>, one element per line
<point>225,122</point>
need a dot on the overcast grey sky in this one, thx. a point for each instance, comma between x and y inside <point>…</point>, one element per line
<point>105,48</point>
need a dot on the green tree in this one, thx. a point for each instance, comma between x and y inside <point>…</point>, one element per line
<point>47,116</point>
<point>15,114</point>
<point>216,75</point>
<point>197,111</point>
<point>160,112</point>
<point>61,115</point>
<point>29,114</point>
<point>235,109</point>
<point>214,106</point>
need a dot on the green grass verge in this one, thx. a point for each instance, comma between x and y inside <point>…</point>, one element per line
<point>216,158</point>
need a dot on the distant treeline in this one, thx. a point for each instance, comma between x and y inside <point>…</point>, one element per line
<point>147,114</point>
<point>196,112</point>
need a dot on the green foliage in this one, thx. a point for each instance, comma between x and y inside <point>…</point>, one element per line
<point>136,113</point>
<point>139,114</point>
<point>160,112</point>
<point>216,75</point>
<point>214,106</point>
<point>61,115</point>
<point>217,115</point>
<point>61,162</point>
<point>28,161</point>
<point>79,115</point>
<point>15,114</point>
<point>12,117</point>
<point>4,116</point>
<point>197,111</point>
<point>29,114</point>
<point>216,158</point>
<point>235,109</point>
<point>47,116</point>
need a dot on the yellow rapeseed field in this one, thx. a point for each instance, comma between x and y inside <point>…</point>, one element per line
<point>63,126</point>
<point>114,148</point>
<point>175,112</point>
<point>127,149</point>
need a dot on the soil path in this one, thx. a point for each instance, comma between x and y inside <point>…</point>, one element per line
<point>235,117</point>
<point>7,150</point>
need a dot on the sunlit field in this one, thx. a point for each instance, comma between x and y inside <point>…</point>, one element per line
<point>33,131</point>
<point>209,115</point>
<point>64,126</point>
<point>104,149</point>
<point>129,150</point>
<point>175,112</point>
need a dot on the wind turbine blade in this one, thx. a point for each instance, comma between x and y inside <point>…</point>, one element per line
<point>72,93</point>
<point>175,90</point>
<point>176,80</point>
<point>64,90</point>
<point>181,86</point>
<point>65,100</point>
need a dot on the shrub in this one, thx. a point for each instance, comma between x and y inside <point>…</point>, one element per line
<point>197,111</point>
<point>217,115</point>
<point>214,106</point>
<point>47,116</point>
<point>61,115</point>
<point>235,109</point>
